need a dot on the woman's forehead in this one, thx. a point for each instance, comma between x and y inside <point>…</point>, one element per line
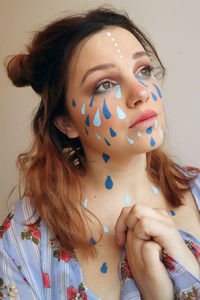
<point>112,44</point>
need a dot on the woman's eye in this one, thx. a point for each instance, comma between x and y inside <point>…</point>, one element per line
<point>105,86</point>
<point>146,72</point>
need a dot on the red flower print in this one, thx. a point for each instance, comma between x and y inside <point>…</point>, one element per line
<point>6,224</point>
<point>46,280</point>
<point>168,261</point>
<point>83,295</point>
<point>125,270</point>
<point>196,249</point>
<point>33,227</point>
<point>71,293</point>
<point>76,294</point>
<point>36,234</point>
<point>64,255</point>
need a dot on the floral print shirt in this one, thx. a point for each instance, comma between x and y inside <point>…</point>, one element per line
<point>33,267</point>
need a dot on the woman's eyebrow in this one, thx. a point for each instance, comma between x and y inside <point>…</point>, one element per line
<point>109,65</point>
<point>97,68</point>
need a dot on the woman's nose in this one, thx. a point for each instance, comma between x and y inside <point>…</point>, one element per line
<point>138,93</point>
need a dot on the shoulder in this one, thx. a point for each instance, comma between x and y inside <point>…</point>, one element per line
<point>15,227</point>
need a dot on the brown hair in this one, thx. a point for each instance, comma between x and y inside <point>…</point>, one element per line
<point>48,170</point>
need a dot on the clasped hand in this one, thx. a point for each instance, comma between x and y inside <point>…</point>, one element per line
<point>145,232</point>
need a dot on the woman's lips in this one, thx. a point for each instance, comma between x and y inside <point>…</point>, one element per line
<point>145,120</point>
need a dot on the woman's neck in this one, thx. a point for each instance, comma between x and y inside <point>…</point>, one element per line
<point>118,178</point>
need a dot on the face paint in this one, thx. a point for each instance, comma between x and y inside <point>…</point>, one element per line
<point>73,103</point>
<point>91,102</point>
<point>83,109</point>
<point>97,120</point>
<point>106,112</point>
<point>105,229</point>
<point>87,121</point>
<point>156,124</point>
<point>108,183</point>
<point>120,113</point>
<point>104,268</point>
<point>145,169</point>
<point>92,241</point>
<point>172,212</point>
<point>142,82</point>
<point>85,202</point>
<point>155,190</point>
<point>153,96</point>
<point>98,136</point>
<point>112,132</point>
<point>107,142</point>
<point>152,142</point>
<point>160,132</point>
<point>139,134</point>
<point>118,94</point>
<point>127,200</point>
<point>149,130</point>
<point>158,90</point>
<point>86,131</point>
<point>106,157</point>
<point>115,44</point>
<point>130,140</point>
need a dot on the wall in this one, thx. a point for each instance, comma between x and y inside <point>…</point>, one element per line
<point>173,26</point>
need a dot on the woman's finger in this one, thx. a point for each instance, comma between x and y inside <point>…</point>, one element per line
<point>121,226</point>
<point>139,211</point>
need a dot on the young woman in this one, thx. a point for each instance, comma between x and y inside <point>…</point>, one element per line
<point>105,213</point>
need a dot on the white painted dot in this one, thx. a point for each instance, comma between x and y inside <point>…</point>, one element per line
<point>113,39</point>
<point>120,56</point>
<point>118,50</point>
<point>116,44</point>
<point>108,33</point>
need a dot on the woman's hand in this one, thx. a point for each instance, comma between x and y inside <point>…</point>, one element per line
<point>145,232</point>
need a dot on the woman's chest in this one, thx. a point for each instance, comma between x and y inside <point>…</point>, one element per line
<point>101,273</point>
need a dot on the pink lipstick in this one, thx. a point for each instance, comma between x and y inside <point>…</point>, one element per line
<point>145,120</point>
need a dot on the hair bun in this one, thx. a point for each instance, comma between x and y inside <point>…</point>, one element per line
<point>19,70</point>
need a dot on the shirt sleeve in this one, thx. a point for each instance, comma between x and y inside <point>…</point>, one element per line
<point>186,286</point>
<point>20,267</point>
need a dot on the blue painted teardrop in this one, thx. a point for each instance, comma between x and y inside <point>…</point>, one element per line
<point>172,212</point>
<point>73,103</point>
<point>155,190</point>
<point>98,136</point>
<point>112,132</point>
<point>152,142</point>
<point>92,241</point>
<point>83,109</point>
<point>106,112</point>
<point>108,183</point>
<point>149,130</point>
<point>106,157</point>
<point>97,120</point>
<point>154,96</point>
<point>127,200</point>
<point>120,113</point>
<point>142,82</point>
<point>158,90</point>
<point>86,131</point>
<point>87,121</point>
<point>104,268</point>
<point>118,94</point>
<point>107,142</point>
<point>91,102</point>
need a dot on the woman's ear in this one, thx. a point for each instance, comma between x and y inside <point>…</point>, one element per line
<point>66,126</point>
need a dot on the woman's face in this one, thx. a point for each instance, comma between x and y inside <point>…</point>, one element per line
<point>115,102</point>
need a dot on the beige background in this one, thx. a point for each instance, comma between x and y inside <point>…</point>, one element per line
<point>174,28</point>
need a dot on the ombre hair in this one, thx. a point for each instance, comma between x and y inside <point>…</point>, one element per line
<point>51,171</point>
